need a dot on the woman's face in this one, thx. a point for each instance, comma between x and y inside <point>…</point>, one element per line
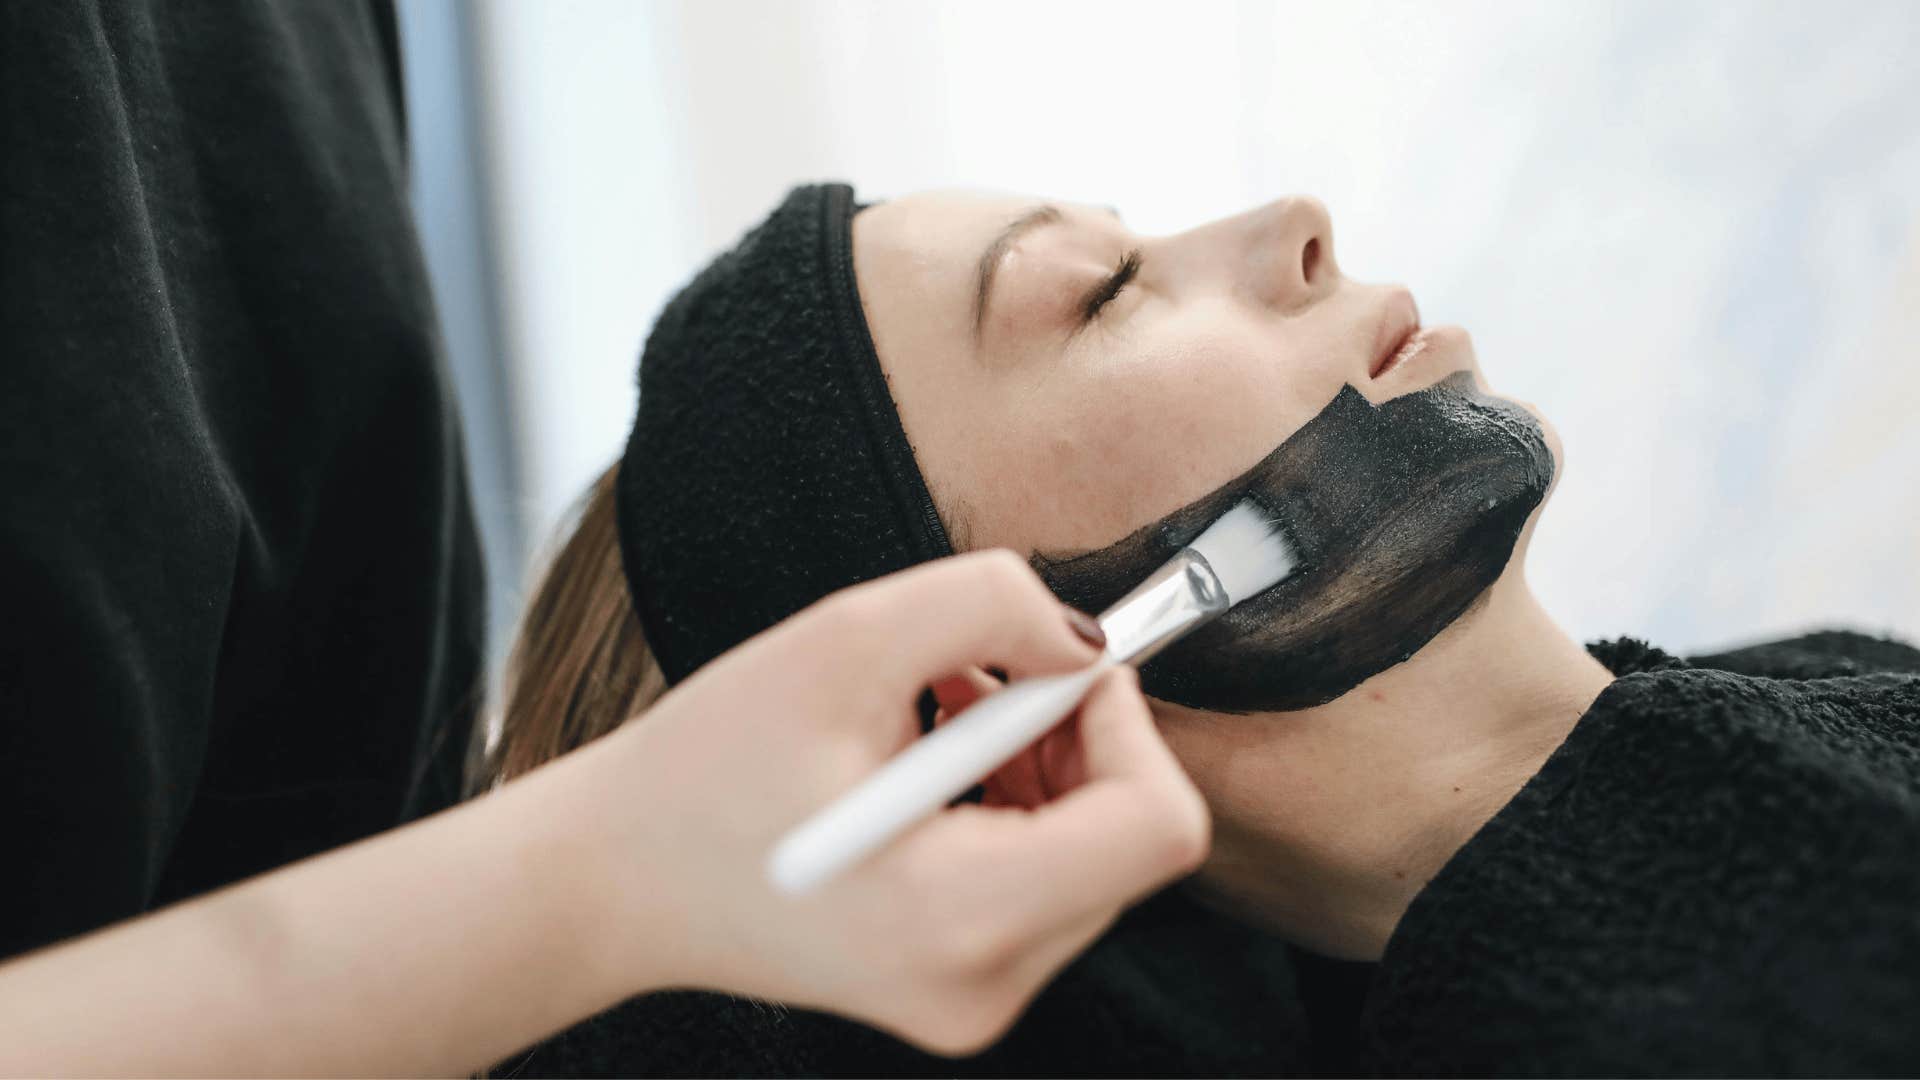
<point>1065,381</point>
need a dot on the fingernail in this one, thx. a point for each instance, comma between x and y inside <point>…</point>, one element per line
<point>1087,627</point>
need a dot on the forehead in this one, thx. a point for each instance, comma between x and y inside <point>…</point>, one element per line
<point>914,258</point>
<point>920,253</point>
<point>940,234</point>
<point>939,220</point>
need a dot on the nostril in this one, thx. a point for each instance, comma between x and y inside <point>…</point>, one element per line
<point>1310,259</point>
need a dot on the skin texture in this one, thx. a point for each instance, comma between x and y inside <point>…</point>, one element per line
<point>1044,433</point>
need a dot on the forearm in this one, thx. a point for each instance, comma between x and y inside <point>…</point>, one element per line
<point>438,948</point>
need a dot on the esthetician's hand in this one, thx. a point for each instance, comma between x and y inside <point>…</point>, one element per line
<point>637,863</point>
<point>946,934</point>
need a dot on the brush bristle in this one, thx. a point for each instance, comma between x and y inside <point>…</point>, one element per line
<point>1247,550</point>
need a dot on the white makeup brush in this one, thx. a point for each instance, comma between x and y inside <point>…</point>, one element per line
<point>1239,555</point>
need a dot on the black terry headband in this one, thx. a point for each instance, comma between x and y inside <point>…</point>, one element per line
<point>767,466</point>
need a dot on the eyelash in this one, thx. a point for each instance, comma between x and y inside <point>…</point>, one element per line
<point>1110,288</point>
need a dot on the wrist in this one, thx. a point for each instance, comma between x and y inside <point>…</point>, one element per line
<point>591,854</point>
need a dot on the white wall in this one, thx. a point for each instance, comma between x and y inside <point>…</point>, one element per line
<point>1690,233</point>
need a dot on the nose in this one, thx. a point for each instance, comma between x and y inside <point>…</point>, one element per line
<point>1299,242</point>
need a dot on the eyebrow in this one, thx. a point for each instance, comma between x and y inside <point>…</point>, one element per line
<point>989,265</point>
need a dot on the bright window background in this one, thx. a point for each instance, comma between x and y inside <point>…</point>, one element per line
<point>1690,233</point>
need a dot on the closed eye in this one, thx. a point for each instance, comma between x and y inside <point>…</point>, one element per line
<point>1110,286</point>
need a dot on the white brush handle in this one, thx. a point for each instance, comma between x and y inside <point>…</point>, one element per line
<point>926,776</point>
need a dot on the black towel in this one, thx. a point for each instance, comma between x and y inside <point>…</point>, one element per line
<point>767,466</point>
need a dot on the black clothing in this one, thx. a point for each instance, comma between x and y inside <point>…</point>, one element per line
<point>1171,990</point>
<point>767,466</point>
<point>239,584</point>
<point>1717,872</point>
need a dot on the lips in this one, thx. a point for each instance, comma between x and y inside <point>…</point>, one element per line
<point>1398,338</point>
<point>1415,344</point>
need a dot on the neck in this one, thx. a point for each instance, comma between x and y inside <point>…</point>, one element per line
<point>1329,820</point>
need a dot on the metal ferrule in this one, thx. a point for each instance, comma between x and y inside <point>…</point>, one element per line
<point>1176,599</point>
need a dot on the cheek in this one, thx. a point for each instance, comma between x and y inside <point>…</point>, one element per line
<point>1142,421</point>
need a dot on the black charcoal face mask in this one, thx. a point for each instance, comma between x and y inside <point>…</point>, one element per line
<point>1401,516</point>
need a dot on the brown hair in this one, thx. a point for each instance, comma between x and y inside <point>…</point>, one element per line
<point>580,665</point>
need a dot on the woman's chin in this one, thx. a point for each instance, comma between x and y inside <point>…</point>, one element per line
<point>1554,446</point>
<point>1547,431</point>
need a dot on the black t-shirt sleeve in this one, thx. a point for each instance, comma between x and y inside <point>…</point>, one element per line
<point>117,540</point>
<point>239,586</point>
